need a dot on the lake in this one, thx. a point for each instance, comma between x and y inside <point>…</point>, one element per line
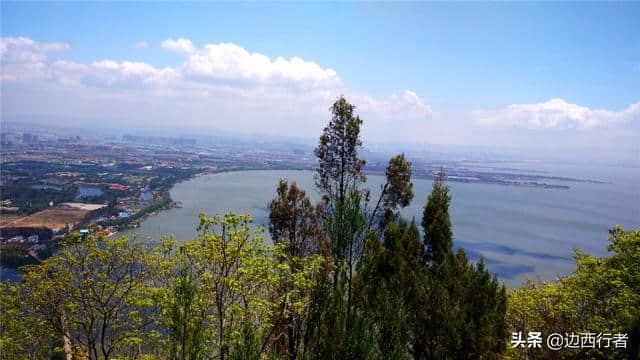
<point>519,231</point>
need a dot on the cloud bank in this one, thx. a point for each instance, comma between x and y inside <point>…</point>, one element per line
<point>556,114</point>
<point>217,86</point>
<point>225,86</point>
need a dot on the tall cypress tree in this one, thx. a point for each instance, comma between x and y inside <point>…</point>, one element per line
<point>438,237</point>
<point>388,282</point>
<point>339,167</point>
<point>461,311</point>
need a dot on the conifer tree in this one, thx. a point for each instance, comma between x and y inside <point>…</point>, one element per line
<point>436,223</point>
<point>397,191</point>
<point>339,167</point>
<point>461,311</point>
<point>293,220</point>
<point>296,225</point>
<point>389,279</point>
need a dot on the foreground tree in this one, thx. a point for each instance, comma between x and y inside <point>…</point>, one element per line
<point>295,222</point>
<point>95,297</point>
<point>346,229</point>
<point>395,193</point>
<point>390,278</point>
<point>221,295</point>
<point>340,170</point>
<point>339,167</point>
<point>233,268</point>
<point>297,227</point>
<point>435,302</point>
<point>340,178</point>
<point>185,316</point>
<point>236,295</point>
<point>461,311</point>
<point>24,334</point>
<point>436,222</point>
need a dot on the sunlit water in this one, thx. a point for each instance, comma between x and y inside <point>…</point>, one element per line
<point>518,231</point>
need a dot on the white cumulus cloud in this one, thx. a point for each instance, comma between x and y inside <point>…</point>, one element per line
<point>407,114</point>
<point>25,50</point>
<point>141,45</point>
<point>555,114</point>
<point>124,75</point>
<point>407,105</point>
<point>181,46</point>
<point>24,58</point>
<point>230,62</point>
<point>216,86</point>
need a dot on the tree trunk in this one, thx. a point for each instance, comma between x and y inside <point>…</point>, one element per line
<point>349,284</point>
<point>66,339</point>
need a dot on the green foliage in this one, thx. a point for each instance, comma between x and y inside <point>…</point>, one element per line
<point>30,200</point>
<point>389,279</point>
<point>23,333</point>
<point>94,295</point>
<point>601,296</point>
<point>397,190</point>
<point>482,301</point>
<point>231,282</point>
<point>297,228</point>
<point>458,309</point>
<point>414,298</point>
<point>436,222</point>
<point>345,229</point>
<point>334,333</point>
<point>430,310</point>
<point>233,270</point>
<point>248,347</point>
<point>294,220</point>
<point>339,167</point>
<point>185,318</point>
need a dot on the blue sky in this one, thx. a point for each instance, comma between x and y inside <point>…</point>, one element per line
<point>468,54</point>
<point>457,57</point>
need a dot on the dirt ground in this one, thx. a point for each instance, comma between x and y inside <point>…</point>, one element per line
<point>55,218</point>
<point>7,219</point>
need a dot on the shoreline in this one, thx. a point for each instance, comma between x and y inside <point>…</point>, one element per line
<point>375,173</point>
<point>370,173</point>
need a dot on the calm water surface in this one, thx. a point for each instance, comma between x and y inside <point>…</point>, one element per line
<point>519,231</point>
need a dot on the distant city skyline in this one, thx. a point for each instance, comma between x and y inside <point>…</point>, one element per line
<point>545,75</point>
